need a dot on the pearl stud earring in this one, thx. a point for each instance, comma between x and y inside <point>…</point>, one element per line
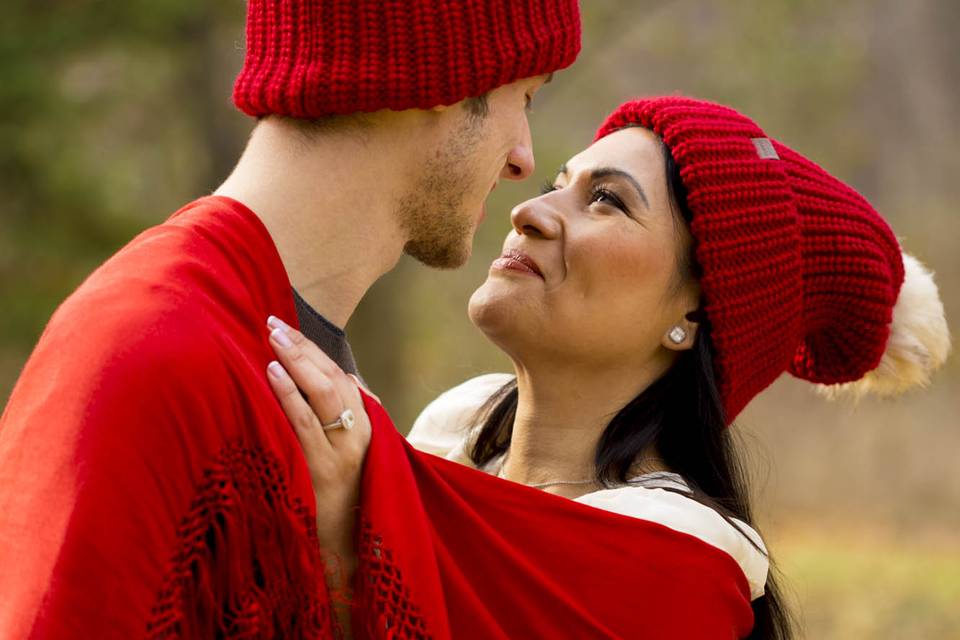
<point>677,335</point>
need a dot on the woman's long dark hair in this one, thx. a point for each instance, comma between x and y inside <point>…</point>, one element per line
<point>681,416</point>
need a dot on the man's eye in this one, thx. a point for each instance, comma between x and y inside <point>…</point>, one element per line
<point>529,104</point>
<point>547,187</point>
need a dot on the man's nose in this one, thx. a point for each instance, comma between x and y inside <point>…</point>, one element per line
<point>519,165</point>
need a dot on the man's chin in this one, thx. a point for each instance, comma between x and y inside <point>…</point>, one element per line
<point>440,256</point>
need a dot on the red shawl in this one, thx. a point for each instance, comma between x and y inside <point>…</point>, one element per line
<point>151,486</point>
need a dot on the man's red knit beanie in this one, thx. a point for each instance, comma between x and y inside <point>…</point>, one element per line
<point>800,273</point>
<point>314,58</point>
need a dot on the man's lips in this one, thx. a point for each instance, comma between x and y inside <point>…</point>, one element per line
<point>517,261</point>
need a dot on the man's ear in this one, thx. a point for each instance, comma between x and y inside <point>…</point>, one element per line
<point>680,335</point>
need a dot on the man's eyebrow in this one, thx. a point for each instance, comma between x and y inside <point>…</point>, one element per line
<point>606,172</point>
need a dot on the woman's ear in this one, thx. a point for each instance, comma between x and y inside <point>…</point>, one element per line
<point>681,335</point>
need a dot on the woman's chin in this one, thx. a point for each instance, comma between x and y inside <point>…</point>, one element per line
<point>495,312</point>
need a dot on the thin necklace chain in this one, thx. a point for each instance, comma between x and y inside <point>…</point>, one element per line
<point>541,485</point>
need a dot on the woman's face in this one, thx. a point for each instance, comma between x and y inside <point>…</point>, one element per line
<point>589,274</point>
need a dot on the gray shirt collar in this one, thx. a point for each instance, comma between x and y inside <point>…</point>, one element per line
<point>328,336</point>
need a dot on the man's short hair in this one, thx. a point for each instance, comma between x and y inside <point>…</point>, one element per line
<point>312,128</point>
<point>478,106</point>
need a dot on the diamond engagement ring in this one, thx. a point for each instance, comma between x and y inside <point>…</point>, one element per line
<point>345,421</point>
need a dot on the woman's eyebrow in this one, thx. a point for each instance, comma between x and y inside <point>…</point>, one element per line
<point>606,172</point>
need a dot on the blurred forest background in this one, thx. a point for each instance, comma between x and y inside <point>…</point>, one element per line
<point>114,114</point>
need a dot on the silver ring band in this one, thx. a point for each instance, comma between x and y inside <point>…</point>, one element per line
<point>345,421</point>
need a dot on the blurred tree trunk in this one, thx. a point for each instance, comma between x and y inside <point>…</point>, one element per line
<point>206,87</point>
<point>910,104</point>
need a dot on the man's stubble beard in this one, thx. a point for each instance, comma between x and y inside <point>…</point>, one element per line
<point>432,213</point>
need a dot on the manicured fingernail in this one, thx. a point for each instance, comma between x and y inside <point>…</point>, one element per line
<point>276,323</point>
<point>281,338</point>
<point>276,370</point>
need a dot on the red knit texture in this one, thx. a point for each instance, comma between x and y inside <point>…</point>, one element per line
<point>800,273</point>
<point>313,58</point>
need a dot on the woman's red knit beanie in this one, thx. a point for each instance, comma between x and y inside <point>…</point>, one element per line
<point>800,273</point>
<point>314,58</point>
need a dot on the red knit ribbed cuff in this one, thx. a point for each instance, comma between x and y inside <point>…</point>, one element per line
<point>312,58</point>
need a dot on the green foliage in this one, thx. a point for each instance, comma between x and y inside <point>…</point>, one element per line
<point>104,134</point>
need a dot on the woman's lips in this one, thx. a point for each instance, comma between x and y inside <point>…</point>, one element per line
<point>517,261</point>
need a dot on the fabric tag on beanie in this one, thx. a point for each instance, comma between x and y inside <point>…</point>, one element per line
<point>765,149</point>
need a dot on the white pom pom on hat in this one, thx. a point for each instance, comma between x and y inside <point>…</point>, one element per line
<point>918,345</point>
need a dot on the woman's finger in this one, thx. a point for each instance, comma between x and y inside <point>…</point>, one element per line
<point>310,349</point>
<point>324,364</point>
<point>322,394</point>
<point>306,425</point>
<point>329,391</point>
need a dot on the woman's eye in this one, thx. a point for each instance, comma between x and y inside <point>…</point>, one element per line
<point>605,196</point>
<point>599,195</point>
<point>547,187</point>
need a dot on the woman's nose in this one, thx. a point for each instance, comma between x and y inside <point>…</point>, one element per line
<point>535,218</point>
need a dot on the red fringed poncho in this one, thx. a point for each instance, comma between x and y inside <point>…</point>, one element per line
<point>150,486</point>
